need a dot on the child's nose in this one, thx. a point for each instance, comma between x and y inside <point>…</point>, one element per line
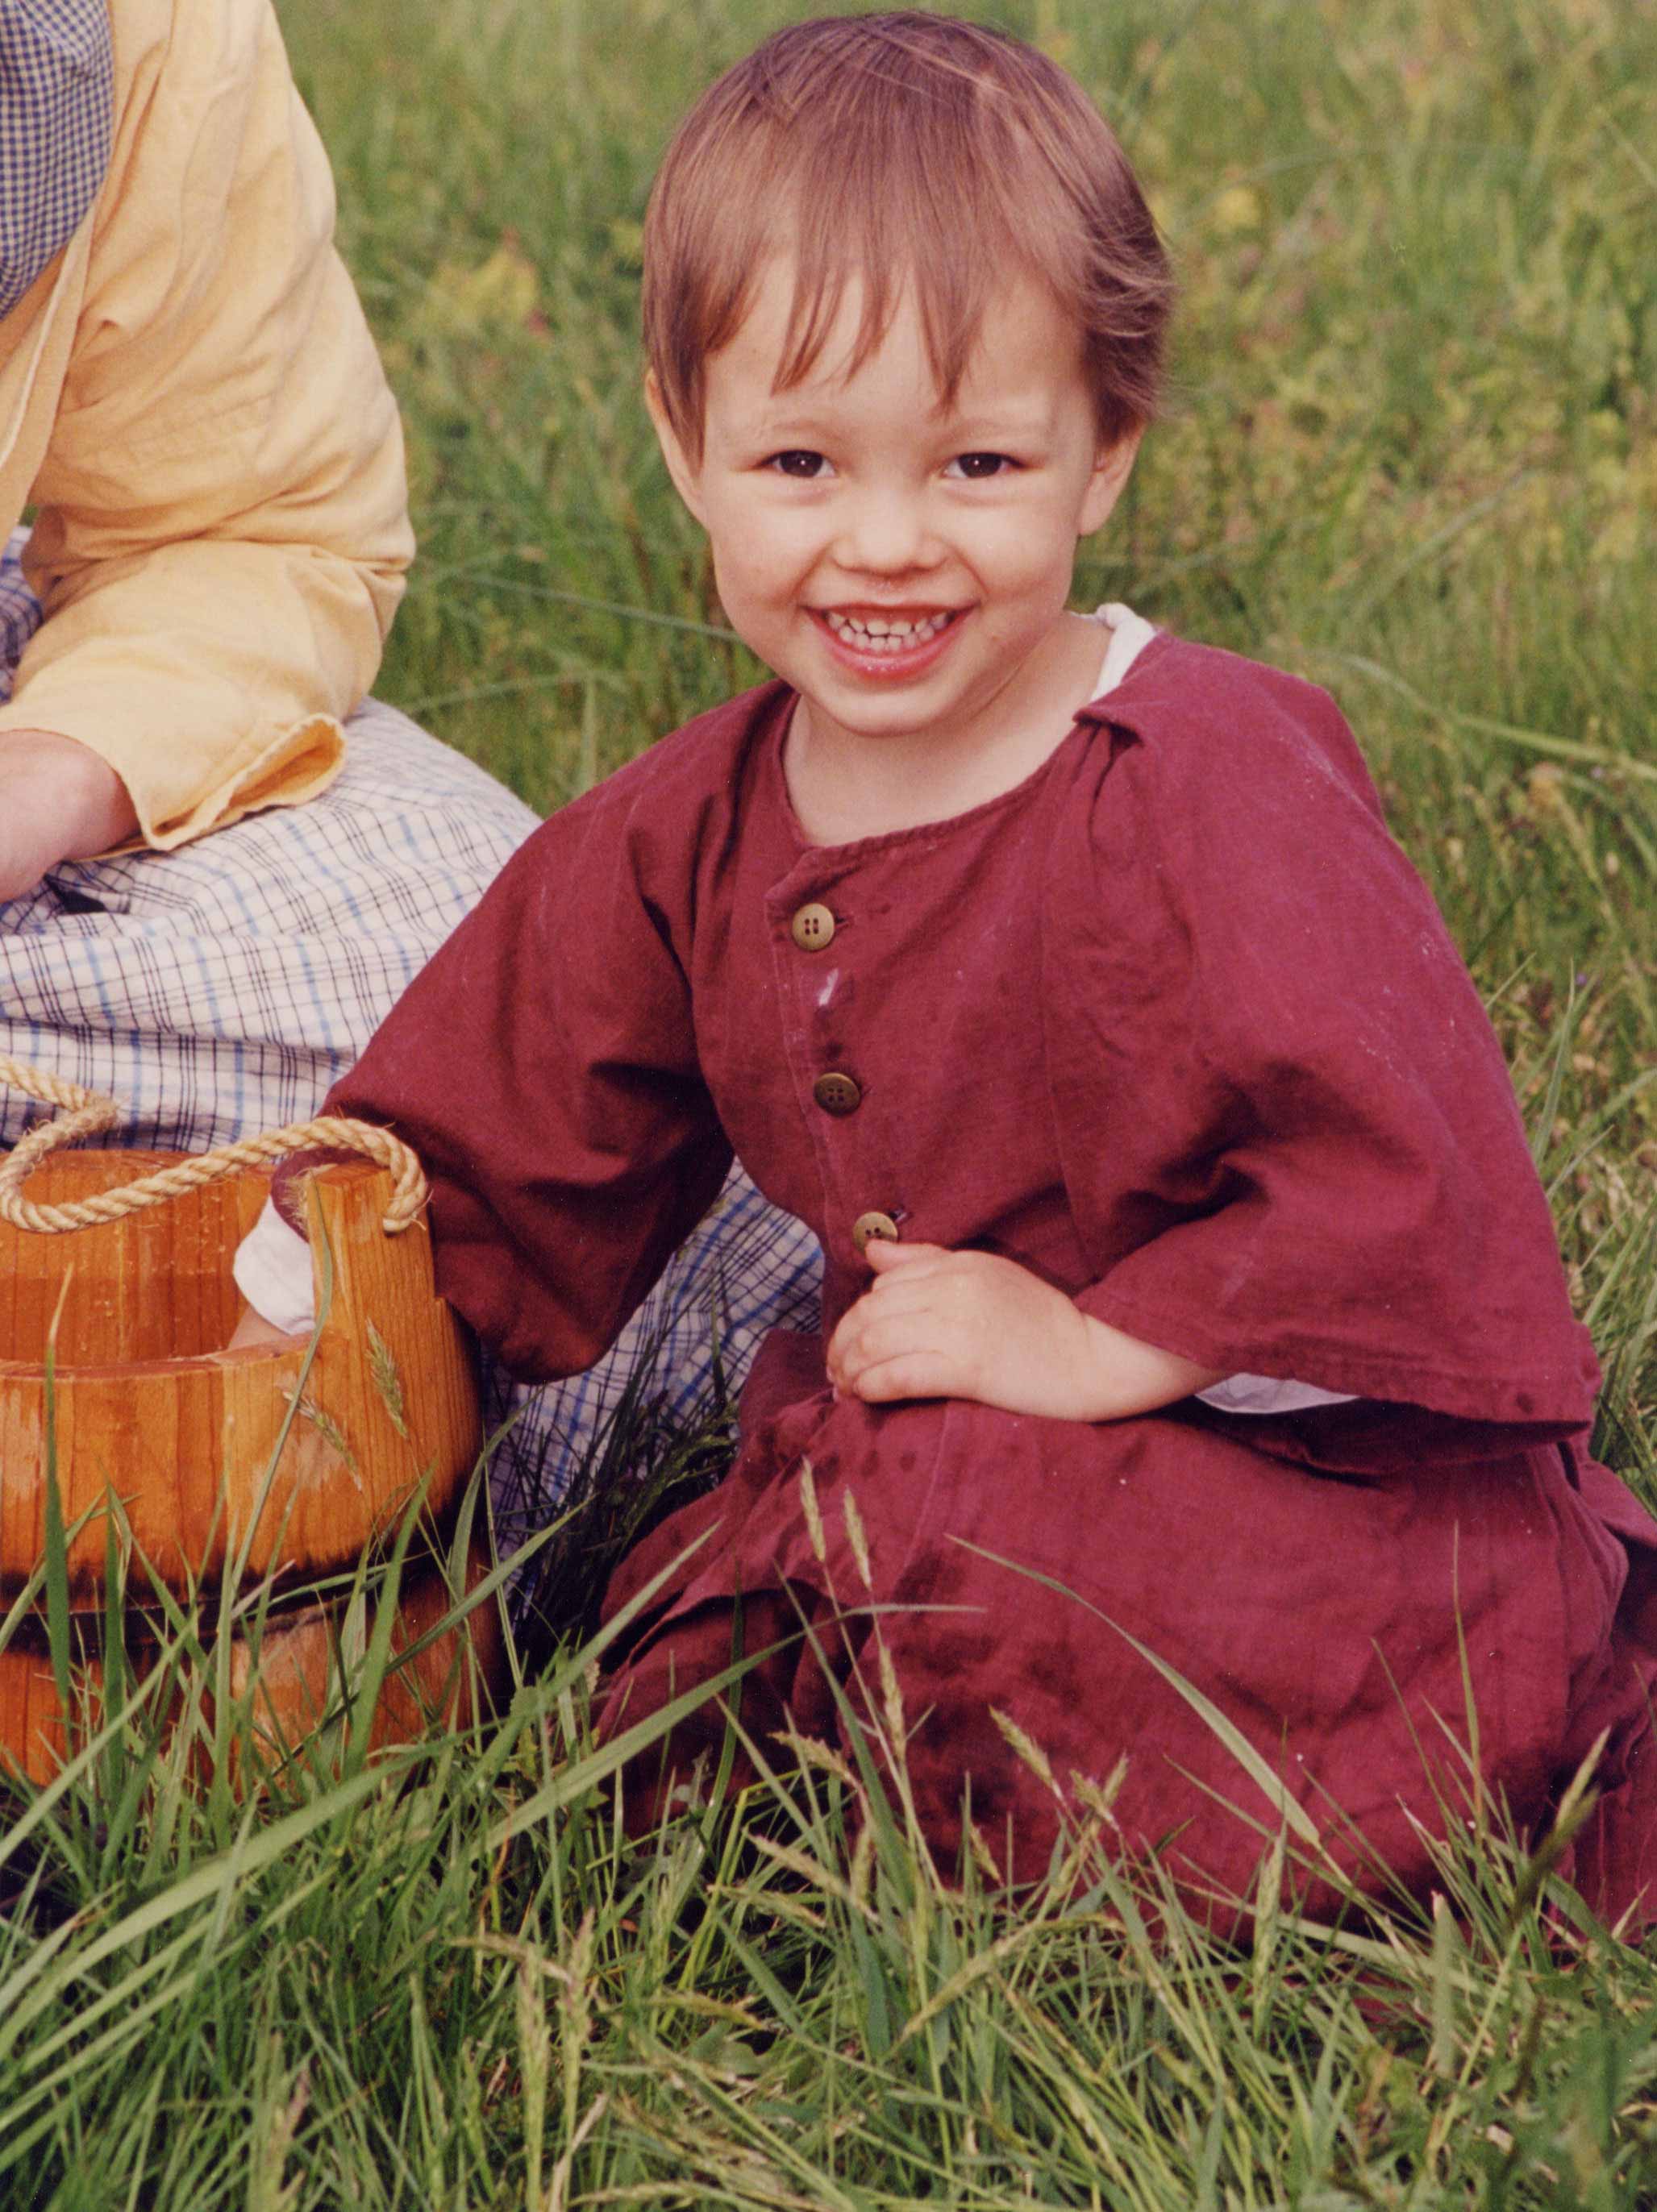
<point>887,533</point>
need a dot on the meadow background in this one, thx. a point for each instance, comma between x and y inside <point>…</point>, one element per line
<point>1411,452</point>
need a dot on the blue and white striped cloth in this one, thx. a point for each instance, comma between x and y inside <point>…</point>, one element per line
<point>57,95</point>
<point>220,989</point>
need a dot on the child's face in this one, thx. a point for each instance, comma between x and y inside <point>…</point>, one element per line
<point>901,564</point>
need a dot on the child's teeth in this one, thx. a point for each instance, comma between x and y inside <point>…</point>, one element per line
<point>885,633</point>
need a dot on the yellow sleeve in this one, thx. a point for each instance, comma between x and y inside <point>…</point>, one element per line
<point>222,525</point>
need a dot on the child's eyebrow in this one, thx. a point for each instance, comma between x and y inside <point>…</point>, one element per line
<point>990,424</point>
<point>786,411</point>
<point>793,415</point>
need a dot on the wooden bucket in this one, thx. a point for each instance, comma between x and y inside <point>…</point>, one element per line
<point>287,1462</point>
<point>306,1656</point>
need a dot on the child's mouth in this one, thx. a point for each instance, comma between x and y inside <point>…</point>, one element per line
<point>887,645</point>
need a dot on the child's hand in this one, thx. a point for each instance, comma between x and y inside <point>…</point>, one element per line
<point>58,801</point>
<point>940,1324</point>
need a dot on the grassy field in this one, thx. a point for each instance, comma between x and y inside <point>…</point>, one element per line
<point>1411,451</point>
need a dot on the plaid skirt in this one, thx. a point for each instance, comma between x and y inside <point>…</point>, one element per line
<point>220,989</point>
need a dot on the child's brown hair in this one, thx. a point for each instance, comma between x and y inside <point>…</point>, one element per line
<point>904,148</point>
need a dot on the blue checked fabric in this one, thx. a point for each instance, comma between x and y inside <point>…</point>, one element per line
<point>19,610</point>
<point>56,92</point>
<point>220,989</point>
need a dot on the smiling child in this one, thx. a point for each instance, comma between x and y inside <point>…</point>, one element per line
<point>1182,1244</point>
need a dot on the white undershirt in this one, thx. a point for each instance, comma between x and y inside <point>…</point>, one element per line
<point>272,1265</point>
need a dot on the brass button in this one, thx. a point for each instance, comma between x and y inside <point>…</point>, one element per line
<point>836,1094</point>
<point>880,1226</point>
<point>812,927</point>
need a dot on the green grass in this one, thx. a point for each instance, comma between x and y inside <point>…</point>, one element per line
<point>1411,451</point>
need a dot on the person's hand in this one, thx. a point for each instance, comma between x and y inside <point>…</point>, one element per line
<point>58,801</point>
<point>940,1324</point>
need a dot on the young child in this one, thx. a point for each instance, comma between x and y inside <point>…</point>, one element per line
<point>1182,1244</point>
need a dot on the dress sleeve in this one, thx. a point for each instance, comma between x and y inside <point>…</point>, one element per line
<point>544,1066</point>
<point>1290,1137</point>
<point>221,521</point>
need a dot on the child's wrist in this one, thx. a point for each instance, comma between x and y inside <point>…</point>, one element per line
<point>1127,1375</point>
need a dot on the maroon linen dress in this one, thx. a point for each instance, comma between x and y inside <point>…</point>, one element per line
<point>1174,1024</point>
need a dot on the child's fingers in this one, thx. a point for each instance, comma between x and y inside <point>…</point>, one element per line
<point>894,1355</point>
<point>911,1374</point>
<point>897,1300</point>
<point>883,1351</point>
<point>884,1256</point>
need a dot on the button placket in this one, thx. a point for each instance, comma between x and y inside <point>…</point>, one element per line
<point>822,1029</point>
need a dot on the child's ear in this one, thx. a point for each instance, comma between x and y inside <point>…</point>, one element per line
<point>685,473</point>
<point>1112,466</point>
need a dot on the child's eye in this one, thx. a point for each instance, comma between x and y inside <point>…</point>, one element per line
<point>976,467</point>
<point>796,462</point>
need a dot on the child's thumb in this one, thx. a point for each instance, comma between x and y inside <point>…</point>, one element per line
<point>883,1253</point>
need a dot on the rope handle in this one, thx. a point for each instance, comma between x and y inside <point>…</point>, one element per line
<point>87,1112</point>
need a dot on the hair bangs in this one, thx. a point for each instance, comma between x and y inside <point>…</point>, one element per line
<point>907,154</point>
<point>891,190</point>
